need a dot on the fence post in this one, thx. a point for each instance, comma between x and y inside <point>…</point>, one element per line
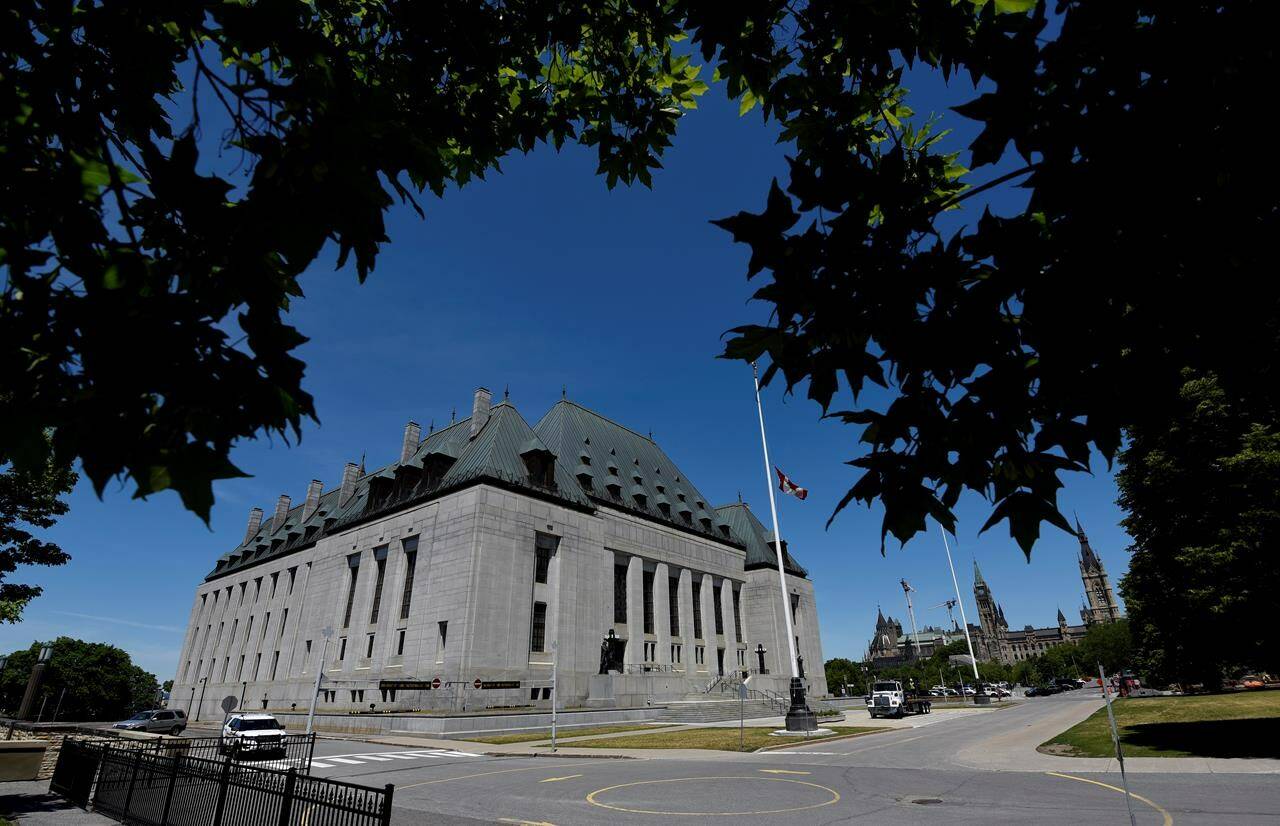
<point>133,780</point>
<point>386,804</point>
<point>286,803</point>
<point>168,795</point>
<point>311,751</point>
<point>224,779</point>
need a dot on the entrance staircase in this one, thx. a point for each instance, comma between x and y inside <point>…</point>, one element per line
<point>703,710</point>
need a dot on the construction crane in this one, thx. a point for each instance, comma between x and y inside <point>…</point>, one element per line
<point>951,603</point>
<point>911,612</point>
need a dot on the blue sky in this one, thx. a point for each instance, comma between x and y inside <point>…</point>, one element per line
<point>540,278</point>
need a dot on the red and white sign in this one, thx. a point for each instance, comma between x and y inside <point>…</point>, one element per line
<point>477,683</point>
<point>435,683</point>
<point>787,486</point>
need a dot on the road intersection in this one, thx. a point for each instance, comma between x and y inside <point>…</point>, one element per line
<point>962,768</point>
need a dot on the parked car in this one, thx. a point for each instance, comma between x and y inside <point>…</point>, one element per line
<point>156,721</point>
<point>1042,690</point>
<point>1249,681</point>
<point>252,734</point>
<point>1066,685</point>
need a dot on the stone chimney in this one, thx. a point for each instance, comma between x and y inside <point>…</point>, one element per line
<point>350,474</point>
<point>255,522</point>
<point>282,512</point>
<point>313,498</point>
<point>480,410</point>
<point>412,435</point>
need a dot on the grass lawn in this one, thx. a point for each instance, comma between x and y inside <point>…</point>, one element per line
<point>717,739</point>
<point>561,734</point>
<point>1217,725</point>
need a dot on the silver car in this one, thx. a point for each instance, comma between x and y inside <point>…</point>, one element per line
<point>157,721</point>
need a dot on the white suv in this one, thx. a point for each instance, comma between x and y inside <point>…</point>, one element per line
<point>252,734</point>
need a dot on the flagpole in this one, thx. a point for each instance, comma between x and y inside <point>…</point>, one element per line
<point>964,622</point>
<point>799,717</point>
<point>777,535</point>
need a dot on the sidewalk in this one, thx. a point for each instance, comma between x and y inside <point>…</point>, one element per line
<point>29,803</point>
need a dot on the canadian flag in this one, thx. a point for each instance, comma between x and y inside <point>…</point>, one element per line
<point>787,486</point>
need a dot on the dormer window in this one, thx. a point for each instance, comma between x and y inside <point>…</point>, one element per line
<point>665,507</point>
<point>705,523</point>
<point>541,466</point>
<point>614,488</point>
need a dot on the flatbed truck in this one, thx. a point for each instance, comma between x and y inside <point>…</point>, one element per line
<point>888,699</point>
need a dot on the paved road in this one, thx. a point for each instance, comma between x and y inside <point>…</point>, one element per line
<point>909,776</point>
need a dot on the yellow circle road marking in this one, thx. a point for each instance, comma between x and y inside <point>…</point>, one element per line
<point>835,797</point>
<point>1168,818</point>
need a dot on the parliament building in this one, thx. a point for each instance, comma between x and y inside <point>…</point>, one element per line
<point>451,578</point>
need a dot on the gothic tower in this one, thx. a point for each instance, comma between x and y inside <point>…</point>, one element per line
<point>1101,604</point>
<point>990,619</point>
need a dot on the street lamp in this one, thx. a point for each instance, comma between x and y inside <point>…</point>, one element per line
<point>760,652</point>
<point>204,683</point>
<point>33,683</point>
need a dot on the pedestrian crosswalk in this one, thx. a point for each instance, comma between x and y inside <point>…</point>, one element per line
<point>331,761</point>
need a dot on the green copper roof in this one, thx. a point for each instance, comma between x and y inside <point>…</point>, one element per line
<point>760,553</point>
<point>647,482</point>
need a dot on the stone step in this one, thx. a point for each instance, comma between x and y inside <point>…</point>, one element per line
<point>712,711</point>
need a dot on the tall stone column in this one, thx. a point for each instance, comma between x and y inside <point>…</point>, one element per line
<point>730,634</point>
<point>635,611</point>
<point>685,596</point>
<point>709,624</point>
<point>662,612</point>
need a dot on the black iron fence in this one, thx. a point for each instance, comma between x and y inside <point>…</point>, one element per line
<point>158,788</point>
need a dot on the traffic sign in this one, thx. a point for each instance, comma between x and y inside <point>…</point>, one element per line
<point>435,683</point>
<point>477,683</point>
<point>229,703</point>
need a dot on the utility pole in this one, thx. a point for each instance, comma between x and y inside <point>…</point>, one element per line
<point>911,612</point>
<point>968,640</point>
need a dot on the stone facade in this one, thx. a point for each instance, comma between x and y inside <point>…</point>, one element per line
<point>479,557</point>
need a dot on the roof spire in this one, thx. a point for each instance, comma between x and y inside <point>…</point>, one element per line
<point>564,391</point>
<point>739,497</point>
<point>977,573</point>
<point>506,392</point>
<point>362,462</point>
<point>431,428</point>
<point>453,416</point>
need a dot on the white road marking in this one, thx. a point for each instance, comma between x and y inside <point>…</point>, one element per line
<point>342,760</point>
<point>316,764</point>
<point>326,761</point>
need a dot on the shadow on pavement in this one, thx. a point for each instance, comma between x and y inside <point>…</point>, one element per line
<point>1257,737</point>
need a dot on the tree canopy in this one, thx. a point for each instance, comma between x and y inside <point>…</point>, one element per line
<point>30,497</point>
<point>1203,507</point>
<point>101,681</point>
<point>143,315</point>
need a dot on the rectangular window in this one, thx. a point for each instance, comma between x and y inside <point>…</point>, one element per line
<point>342,649</point>
<point>368,652</point>
<point>400,643</point>
<point>353,562</point>
<point>257,588</point>
<point>795,603</point>
<point>275,578</point>
<point>380,563</point>
<point>545,548</point>
<point>239,668</point>
<point>284,617</point>
<point>737,613</point>
<point>410,565</point>
<point>673,603</point>
<point>717,608</point>
<point>538,633</point>
<point>266,623</point>
<point>306,644</point>
<point>697,610</point>
<point>186,672</point>
<point>257,665</point>
<point>293,573</point>
<point>441,638</point>
<point>647,590</point>
<point>248,630</point>
<point>619,593</point>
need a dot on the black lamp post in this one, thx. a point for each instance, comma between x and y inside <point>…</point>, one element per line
<point>760,652</point>
<point>800,665</point>
<point>33,683</point>
<point>204,683</point>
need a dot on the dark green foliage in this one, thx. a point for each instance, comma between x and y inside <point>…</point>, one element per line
<point>841,672</point>
<point>102,683</point>
<point>142,311</point>
<point>1203,503</point>
<point>1019,345</point>
<point>1109,644</point>
<point>29,498</point>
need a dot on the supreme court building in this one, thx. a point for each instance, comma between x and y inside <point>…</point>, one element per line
<point>488,548</point>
